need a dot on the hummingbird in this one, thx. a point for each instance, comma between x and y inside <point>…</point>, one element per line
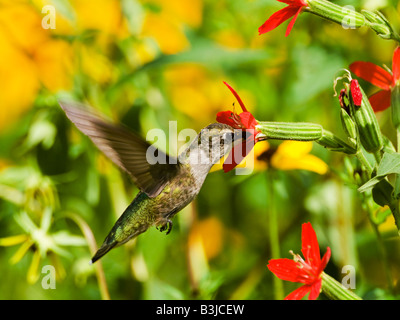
<point>166,187</point>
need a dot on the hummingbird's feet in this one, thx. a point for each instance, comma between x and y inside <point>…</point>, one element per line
<point>167,225</point>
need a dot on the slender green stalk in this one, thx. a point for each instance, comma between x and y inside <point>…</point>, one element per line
<point>381,248</point>
<point>273,232</point>
<point>361,157</point>
<point>396,191</point>
<point>335,291</point>
<point>378,156</point>
<point>88,234</point>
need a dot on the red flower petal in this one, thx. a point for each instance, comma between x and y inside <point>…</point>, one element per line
<point>297,3</point>
<point>226,118</point>
<point>325,260</point>
<point>248,120</point>
<point>381,100</point>
<point>396,65</point>
<point>278,18</point>
<point>372,73</point>
<point>291,23</point>
<point>356,92</point>
<point>285,269</point>
<point>229,163</point>
<point>310,246</point>
<point>237,155</point>
<point>236,96</point>
<point>315,290</point>
<point>299,293</point>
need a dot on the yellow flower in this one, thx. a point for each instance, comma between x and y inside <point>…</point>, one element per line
<point>198,92</point>
<point>229,38</point>
<point>94,64</point>
<point>210,233</point>
<point>168,34</point>
<point>205,242</point>
<point>165,21</point>
<point>31,57</point>
<point>292,155</point>
<point>102,15</point>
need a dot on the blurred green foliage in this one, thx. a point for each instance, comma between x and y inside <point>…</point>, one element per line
<point>144,63</point>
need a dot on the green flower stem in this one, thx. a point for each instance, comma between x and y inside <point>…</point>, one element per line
<point>351,19</point>
<point>377,22</point>
<point>87,232</point>
<point>335,291</point>
<point>273,231</point>
<point>378,157</point>
<point>299,131</point>
<point>368,201</point>
<point>395,107</point>
<point>302,131</point>
<point>335,13</point>
<point>361,157</point>
<point>396,191</point>
<point>334,143</point>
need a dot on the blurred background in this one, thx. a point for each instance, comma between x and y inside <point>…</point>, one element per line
<point>143,64</point>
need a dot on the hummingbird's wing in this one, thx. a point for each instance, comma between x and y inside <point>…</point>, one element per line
<point>124,148</point>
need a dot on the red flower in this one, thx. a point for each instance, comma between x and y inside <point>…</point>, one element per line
<point>356,92</point>
<point>381,78</point>
<point>306,271</point>
<point>293,10</point>
<point>244,121</point>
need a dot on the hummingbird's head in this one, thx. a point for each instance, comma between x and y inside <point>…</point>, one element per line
<point>217,139</point>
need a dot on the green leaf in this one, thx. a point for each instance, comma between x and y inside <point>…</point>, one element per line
<point>382,193</point>
<point>389,164</point>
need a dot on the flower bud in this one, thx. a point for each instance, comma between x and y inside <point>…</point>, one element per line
<point>334,143</point>
<point>365,119</point>
<point>345,16</point>
<point>378,23</point>
<point>349,127</point>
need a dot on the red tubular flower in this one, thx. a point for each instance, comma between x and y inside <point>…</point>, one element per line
<point>307,271</point>
<point>381,78</point>
<point>244,121</point>
<point>293,10</point>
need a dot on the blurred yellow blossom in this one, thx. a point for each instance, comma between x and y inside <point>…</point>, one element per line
<point>31,58</point>
<point>168,34</point>
<point>229,38</point>
<point>211,234</point>
<point>165,21</point>
<point>94,64</point>
<point>102,15</point>
<point>197,92</point>
<point>292,155</point>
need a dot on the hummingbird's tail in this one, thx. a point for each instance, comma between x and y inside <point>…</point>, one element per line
<point>102,251</point>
